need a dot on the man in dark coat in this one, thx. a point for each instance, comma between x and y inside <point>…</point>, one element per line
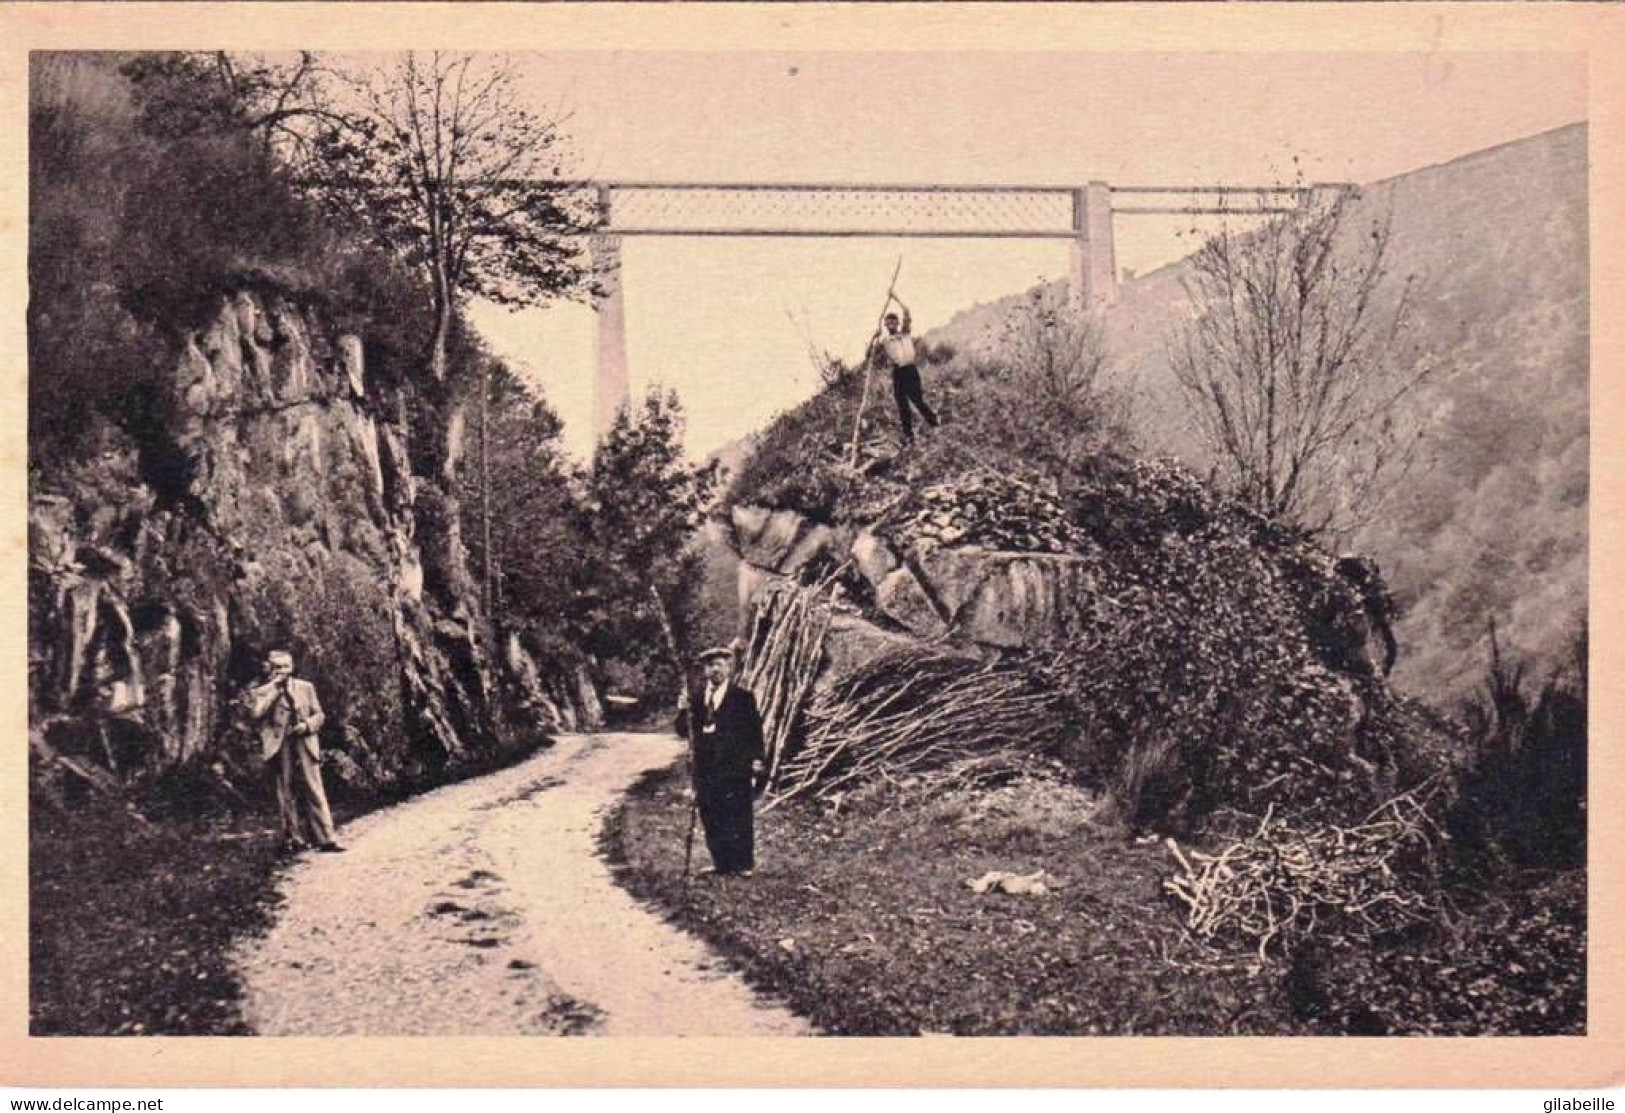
<point>726,761</point>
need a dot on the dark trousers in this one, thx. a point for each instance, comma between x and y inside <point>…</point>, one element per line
<point>906,388</point>
<point>730,828</point>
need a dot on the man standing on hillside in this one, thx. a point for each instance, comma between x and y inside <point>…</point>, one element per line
<point>727,759</point>
<point>285,713</point>
<point>897,341</point>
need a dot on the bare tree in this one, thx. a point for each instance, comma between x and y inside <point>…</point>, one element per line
<point>1054,397</point>
<point>1296,360</point>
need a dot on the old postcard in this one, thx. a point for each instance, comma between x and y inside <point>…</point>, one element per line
<point>631,541</point>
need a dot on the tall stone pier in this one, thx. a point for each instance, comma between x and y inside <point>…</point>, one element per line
<point>613,390</point>
<point>1092,274</point>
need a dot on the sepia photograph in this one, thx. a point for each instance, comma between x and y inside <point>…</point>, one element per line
<point>765,542</point>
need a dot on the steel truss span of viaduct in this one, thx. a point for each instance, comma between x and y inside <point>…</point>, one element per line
<point>1083,216</point>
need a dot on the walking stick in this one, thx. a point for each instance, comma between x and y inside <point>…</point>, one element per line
<point>693,739</point>
<point>868,367</point>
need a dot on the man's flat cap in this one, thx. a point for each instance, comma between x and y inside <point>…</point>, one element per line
<point>723,651</point>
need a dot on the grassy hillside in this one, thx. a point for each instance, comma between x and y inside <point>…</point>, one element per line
<point>1493,524</point>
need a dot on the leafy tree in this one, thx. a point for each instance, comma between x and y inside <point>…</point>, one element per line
<point>1294,362</point>
<point>575,550</point>
<point>537,540</point>
<point>644,501</point>
<point>184,93</point>
<point>441,158</point>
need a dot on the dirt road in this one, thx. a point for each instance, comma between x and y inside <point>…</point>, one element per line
<point>482,908</point>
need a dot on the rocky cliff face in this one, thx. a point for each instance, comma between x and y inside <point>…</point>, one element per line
<point>268,503</point>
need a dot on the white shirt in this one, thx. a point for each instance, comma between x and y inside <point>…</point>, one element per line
<point>713,699</point>
<point>899,348</point>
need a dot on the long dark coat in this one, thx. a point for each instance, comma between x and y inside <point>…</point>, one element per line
<point>726,746</point>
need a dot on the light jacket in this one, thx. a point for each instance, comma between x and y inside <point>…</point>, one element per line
<point>275,717</point>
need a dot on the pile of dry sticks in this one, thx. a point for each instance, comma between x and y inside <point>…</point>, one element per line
<point>1282,883</point>
<point>782,655</point>
<point>910,711</point>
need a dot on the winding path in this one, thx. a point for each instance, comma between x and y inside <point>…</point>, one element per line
<point>482,908</point>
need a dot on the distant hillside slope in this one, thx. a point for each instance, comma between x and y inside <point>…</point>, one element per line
<point>1495,527</point>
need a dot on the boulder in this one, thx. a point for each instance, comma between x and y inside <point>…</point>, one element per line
<point>350,359</point>
<point>952,576</point>
<point>590,711</point>
<point>1008,600</point>
<point>873,557</point>
<point>1022,601</point>
<point>816,541</point>
<point>1012,600</point>
<point>902,598</point>
<point>752,582</point>
<point>560,699</point>
<point>852,641</point>
<point>51,541</point>
<point>780,541</point>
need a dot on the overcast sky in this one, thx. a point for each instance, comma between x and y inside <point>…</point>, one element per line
<point>711,318</point>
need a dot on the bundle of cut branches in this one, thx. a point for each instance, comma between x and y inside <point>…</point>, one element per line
<point>1282,883</point>
<point>782,655</point>
<point>913,710</point>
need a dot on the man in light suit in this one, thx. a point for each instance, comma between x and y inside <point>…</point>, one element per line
<point>727,759</point>
<point>286,715</point>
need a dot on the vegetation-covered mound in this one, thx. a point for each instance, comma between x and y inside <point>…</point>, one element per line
<point>1492,523</point>
<point>1194,669</point>
<point>1207,657</point>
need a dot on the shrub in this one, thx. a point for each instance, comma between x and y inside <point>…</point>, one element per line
<point>1524,796</point>
<point>335,621</point>
<point>1513,965</point>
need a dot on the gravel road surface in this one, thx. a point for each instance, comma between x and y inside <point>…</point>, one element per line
<point>482,908</point>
